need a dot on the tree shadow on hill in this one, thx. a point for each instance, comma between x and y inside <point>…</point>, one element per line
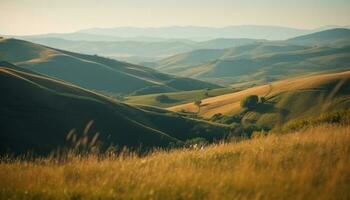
<point>268,107</point>
<point>265,108</point>
<point>168,101</point>
<point>165,99</point>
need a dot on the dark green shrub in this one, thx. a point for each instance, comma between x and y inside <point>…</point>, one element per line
<point>250,102</point>
<point>338,117</point>
<point>198,103</point>
<point>245,131</point>
<point>224,119</point>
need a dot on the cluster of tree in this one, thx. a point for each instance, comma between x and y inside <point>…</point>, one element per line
<point>224,119</point>
<point>198,103</point>
<point>245,130</point>
<point>336,117</point>
<point>250,102</point>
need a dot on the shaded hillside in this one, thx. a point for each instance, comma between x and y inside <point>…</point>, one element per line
<point>37,113</point>
<point>93,72</point>
<point>288,99</point>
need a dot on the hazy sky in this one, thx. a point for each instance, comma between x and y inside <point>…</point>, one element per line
<point>42,16</point>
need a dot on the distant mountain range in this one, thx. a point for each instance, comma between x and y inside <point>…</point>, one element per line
<point>195,33</point>
<point>94,72</point>
<point>142,45</point>
<point>264,61</point>
<point>207,33</point>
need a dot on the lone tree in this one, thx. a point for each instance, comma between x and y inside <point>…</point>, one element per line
<point>198,104</point>
<point>250,102</point>
<point>206,92</point>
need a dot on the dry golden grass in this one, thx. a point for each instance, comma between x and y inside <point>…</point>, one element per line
<point>230,103</point>
<point>313,164</point>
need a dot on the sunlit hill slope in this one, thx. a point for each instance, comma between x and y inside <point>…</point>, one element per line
<point>288,99</point>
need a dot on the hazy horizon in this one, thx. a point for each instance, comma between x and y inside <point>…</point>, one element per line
<point>172,26</point>
<point>26,17</point>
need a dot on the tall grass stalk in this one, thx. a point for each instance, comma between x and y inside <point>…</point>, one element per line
<point>309,164</point>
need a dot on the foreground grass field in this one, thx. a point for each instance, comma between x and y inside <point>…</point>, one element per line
<point>311,164</point>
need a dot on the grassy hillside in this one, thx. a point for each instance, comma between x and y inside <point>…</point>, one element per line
<point>286,100</point>
<point>176,98</point>
<point>93,72</point>
<point>37,113</point>
<point>311,164</point>
<point>265,61</point>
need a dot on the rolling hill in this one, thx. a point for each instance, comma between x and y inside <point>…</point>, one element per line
<point>289,99</point>
<point>37,112</point>
<point>93,72</point>
<point>333,37</point>
<point>134,50</point>
<point>265,61</point>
